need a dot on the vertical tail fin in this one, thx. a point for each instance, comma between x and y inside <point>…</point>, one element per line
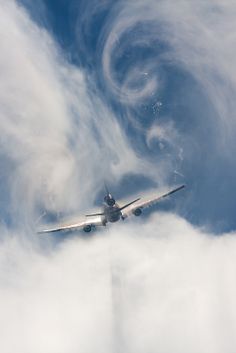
<point>106,188</point>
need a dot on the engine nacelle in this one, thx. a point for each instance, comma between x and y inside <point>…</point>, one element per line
<point>109,201</point>
<point>137,212</point>
<point>87,228</point>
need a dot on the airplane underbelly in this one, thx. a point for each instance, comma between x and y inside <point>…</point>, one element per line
<point>114,218</point>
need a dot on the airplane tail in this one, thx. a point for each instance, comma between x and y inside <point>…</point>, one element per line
<point>106,189</point>
<point>109,199</point>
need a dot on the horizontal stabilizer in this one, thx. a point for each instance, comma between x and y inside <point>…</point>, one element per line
<point>94,214</point>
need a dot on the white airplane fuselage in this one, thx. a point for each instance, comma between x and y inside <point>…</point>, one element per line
<point>112,213</point>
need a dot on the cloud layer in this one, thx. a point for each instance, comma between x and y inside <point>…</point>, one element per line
<point>155,286</point>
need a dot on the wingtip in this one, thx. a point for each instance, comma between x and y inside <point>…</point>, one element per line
<point>42,232</point>
<point>181,187</point>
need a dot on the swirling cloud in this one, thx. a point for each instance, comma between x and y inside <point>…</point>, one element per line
<point>184,53</point>
<point>56,132</point>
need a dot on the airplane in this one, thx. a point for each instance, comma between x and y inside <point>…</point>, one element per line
<point>111,213</point>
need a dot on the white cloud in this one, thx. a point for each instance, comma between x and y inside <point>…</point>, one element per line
<point>149,286</point>
<point>55,130</point>
<point>198,38</point>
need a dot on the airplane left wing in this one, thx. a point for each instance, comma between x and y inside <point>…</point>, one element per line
<point>147,203</point>
<point>74,226</point>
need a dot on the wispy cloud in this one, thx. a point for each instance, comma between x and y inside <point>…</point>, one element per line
<point>199,39</point>
<point>55,130</point>
<point>184,52</point>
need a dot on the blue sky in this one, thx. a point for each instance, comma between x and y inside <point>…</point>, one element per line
<point>196,157</point>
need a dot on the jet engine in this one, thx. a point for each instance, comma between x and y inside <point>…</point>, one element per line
<point>109,200</point>
<point>87,228</point>
<point>137,212</point>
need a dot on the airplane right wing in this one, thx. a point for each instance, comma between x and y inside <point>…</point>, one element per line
<point>147,203</point>
<point>96,221</point>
